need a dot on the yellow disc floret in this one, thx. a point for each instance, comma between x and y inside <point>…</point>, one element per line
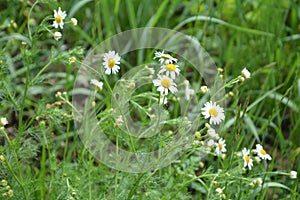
<point>263,152</point>
<point>170,67</point>
<point>213,112</point>
<point>220,145</point>
<point>166,83</point>
<point>111,62</point>
<point>247,158</point>
<point>58,19</point>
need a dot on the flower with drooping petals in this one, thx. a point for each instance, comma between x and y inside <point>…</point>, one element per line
<point>97,83</point>
<point>262,153</point>
<point>57,35</point>
<point>164,58</point>
<point>245,72</point>
<point>188,92</point>
<point>221,146</point>
<point>248,162</point>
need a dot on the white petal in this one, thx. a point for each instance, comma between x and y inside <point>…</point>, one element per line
<point>156,82</point>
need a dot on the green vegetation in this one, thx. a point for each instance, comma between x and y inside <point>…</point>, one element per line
<point>41,153</point>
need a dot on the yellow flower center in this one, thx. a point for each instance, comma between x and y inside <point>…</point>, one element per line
<point>166,83</point>
<point>166,56</point>
<point>213,112</point>
<point>58,19</point>
<point>170,67</point>
<point>111,62</point>
<point>220,145</point>
<point>263,152</point>
<point>247,158</point>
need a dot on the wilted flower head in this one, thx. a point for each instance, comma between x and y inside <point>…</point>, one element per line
<point>212,134</point>
<point>163,100</point>
<point>97,83</point>
<point>293,174</point>
<point>188,92</point>
<point>210,143</point>
<point>246,73</point>
<point>3,121</point>
<point>204,89</point>
<point>247,160</point>
<point>119,121</point>
<point>74,21</point>
<point>164,58</point>
<point>57,35</point>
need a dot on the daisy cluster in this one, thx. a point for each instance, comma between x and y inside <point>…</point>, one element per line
<point>59,17</point>
<point>211,111</point>
<point>167,74</point>
<point>214,141</point>
<point>215,114</point>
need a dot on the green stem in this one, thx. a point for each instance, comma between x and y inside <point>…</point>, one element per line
<point>133,189</point>
<point>10,96</point>
<point>28,20</point>
<point>10,168</point>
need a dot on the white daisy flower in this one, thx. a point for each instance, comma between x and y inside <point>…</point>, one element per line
<point>57,35</point>
<point>262,153</point>
<point>247,160</point>
<point>3,121</point>
<point>246,73</point>
<point>164,58</point>
<point>165,84</point>
<point>214,112</point>
<point>111,62</point>
<point>220,146</point>
<point>170,69</point>
<point>59,16</point>
<point>97,83</point>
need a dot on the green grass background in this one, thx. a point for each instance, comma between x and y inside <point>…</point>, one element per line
<point>49,161</point>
